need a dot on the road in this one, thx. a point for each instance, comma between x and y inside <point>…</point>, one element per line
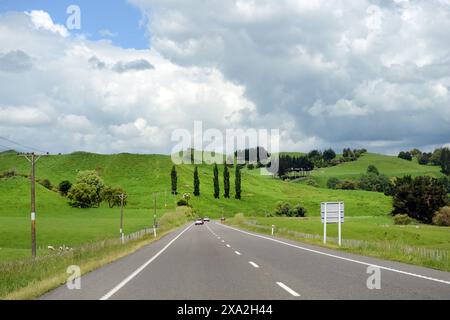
<point>215,261</point>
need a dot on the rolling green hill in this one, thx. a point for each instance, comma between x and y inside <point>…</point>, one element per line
<point>389,165</point>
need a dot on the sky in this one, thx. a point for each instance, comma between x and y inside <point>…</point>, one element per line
<point>371,74</point>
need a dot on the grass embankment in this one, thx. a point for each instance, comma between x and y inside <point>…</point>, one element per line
<point>391,166</point>
<point>422,245</point>
<point>26,279</point>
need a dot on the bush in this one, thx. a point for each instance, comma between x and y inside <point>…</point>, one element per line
<point>45,183</point>
<point>64,187</point>
<point>405,155</point>
<point>372,169</point>
<point>298,211</point>
<point>9,173</point>
<point>311,182</point>
<point>418,197</point>
<point>285,209</point>
<point>347,185</point>
<point>402,219</point>
<point>374,182</point>
<point>82,195</point>
<point>442,217</point>
<point>111,196</point>
<point>182,203</point>
<point>333,182</point>
<point>250,166</point>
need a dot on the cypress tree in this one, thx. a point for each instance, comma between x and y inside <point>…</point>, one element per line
<point>173,176</point>
<point>226,182</point>
<point>237,182</point>
<point>216,181</point>
<point>196,182</point>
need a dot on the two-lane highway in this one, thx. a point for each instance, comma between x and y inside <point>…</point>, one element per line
<point>215,261</point>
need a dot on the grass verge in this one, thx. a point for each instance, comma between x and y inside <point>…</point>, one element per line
<point>377,237</point>
<point>26,279</point>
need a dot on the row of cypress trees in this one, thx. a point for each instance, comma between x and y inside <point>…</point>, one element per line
<point>226,182</point>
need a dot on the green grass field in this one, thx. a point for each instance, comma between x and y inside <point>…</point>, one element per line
<point>140,175</point>
<point>389,165</point>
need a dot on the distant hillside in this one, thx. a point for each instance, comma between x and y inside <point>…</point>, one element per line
<point>391,166</point>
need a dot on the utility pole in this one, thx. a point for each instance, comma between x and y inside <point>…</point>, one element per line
<point>33,158</point>
<point>122,198</point>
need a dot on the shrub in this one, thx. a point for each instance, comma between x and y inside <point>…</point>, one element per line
<point>82,195</point>
<point>333,182</point>
<point>298,211</point>
<point>442,217</point>
<point>9,173</point>
<point>283,209</point>
<point>311,182</point>
<point>182,203</point>
<point>373,169</point>
<point>111,196</point>
<point>250,166</point>
<point>45,183</point>
<point>405,155</point>
<point>418,197</point>
<point>347,185</point>
<point>402,219</point>
<point>374,182</point>
<point>64,187</point>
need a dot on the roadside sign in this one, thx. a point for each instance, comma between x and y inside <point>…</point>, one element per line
<point>332,212</point>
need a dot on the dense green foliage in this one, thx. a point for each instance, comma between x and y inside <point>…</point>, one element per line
<point>64,187</point>
<point>237,183</point>
<point>226,182</point>
<point>173,180</point>
<point>216,181</point>
<point>196,182</point>
<point>418,197</point>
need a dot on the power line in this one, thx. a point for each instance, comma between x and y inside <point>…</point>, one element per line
<point>20,144</point>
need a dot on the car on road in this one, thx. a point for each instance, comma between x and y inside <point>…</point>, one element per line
<point>198,222</point>
<point>206,219</point>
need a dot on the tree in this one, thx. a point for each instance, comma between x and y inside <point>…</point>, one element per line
<point>82,195</point>
<point>196,182</point>
<point>435,158</point>
<point>405,155</point>
<point>333,182</point>
<point>416,153</point>
<point>329,155</point>
<point>237,183</point>
<point>445,161</point>
<point>216,181</point>
<point>226,182</point>
<point>111,196</point>
<point>418,197</point>
<point>93,180</point>
<point>64,187</point>
<point>372,169</point>
<point>425,158</point>
<point>173,178</point>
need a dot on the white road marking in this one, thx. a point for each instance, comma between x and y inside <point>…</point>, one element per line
<point>238,253</point>
<point>285,287</point>
<point>338,257</point>
<point>253,264</point>
<point>228,246</point>
<point>138,270</point>
<point>223,240</point>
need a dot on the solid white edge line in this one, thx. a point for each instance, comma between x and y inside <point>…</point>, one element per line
<point>338,257</point>
<point>253,264</point>
<point>138,270</point>
<point>285,287</point>
<point>238,253</point>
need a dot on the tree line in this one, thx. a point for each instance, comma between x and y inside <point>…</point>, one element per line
<point>216,185</point>
<point>439,157</point>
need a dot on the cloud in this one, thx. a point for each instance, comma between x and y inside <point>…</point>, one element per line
<point>378,67</point>
<point>42,20</point>
<point>107,33</point>
<point>135,65</point>
<point>15,61</point>
<point>89,95</point>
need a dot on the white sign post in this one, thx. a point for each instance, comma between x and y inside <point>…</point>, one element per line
<point>332,212</point>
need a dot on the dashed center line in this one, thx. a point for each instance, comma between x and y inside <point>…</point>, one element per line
<point>238,253</point>
<point>223,240</point>
<point>285,287</point>
<point>228,246</point>
<point>253,264</point>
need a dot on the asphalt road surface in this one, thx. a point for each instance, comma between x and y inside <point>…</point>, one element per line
<point>214,261</point>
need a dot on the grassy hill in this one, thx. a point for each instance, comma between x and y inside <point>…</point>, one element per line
<point>140,175</point>
<point>389,165</point>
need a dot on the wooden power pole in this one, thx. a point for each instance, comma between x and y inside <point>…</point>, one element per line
<point>33,158</point>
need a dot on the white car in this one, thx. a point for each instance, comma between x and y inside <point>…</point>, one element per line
<point>198,222</point>
<point>206,219</point>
